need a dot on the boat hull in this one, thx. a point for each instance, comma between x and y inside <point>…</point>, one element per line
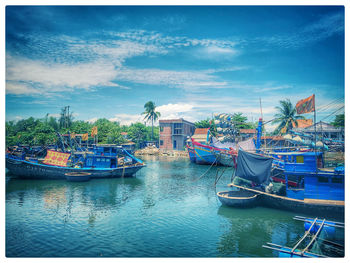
<point>28,170</point>
<point>320,207</point>
<point>191,154</point>
<point>241,199</point>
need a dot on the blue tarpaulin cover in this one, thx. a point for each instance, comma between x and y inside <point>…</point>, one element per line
<point>253,167</point>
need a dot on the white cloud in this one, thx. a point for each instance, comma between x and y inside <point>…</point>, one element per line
<point>18,88</point>
<point>127,119</point>
<point>25,76</point>
<point>92,120</point>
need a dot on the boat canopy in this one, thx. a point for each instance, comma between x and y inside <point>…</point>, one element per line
<point>253,167</point>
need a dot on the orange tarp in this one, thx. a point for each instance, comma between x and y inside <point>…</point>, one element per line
<point>56,158</point>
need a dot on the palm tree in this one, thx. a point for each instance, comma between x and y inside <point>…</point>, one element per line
<point>286,116</point>
<point>150,113</point>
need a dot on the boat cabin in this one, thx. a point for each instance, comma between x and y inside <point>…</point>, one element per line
<point>96,161</point>
<point>300,161</point>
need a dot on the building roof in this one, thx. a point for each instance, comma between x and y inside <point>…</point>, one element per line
<point>320,127</point>
<point>250,131</point>
<point>199,137</point>
<point>176,121</point>
<point>201,131</point>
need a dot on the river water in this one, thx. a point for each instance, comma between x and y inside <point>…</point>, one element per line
<point>169,209</point>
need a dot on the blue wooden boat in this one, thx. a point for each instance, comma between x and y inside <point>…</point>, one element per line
<point>204,153</point>
<point>241,199</point>
<point>323,193</point>
<point>191,154</point>
<point>99,166</point>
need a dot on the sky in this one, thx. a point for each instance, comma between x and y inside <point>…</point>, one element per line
<point>191,61</point>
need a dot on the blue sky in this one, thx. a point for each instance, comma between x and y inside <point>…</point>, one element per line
<point>192,61</point>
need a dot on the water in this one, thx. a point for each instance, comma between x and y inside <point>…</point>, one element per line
<point>168,210</point>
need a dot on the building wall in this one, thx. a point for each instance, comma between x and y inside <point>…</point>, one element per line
<point>165,140</point>
<point>168,134</point>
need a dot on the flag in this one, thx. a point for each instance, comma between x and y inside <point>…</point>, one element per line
<point>306,105</point>
<point>72,135</point>
<point>85,136</point>
<point>94,131</point>
<point>56,158</point>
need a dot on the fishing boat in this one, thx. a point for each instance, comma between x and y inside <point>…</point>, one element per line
<point>322,193</point>
<point>57,164</point>
<point>191,153</point>
<point>241,199</point>
<point>204,153</point>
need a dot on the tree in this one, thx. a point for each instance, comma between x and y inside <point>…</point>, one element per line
<point>137,133</point>
<point>339,121</point>
<point>202,124</point>
<point>240,121</point>
<point>286,116</point>
<point>151,114</point>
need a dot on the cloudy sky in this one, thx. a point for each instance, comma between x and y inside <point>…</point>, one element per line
<point>108,61</point>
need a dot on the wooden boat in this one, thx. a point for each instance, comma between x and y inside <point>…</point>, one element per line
<point>322,193</point>
<point>240,199</point>
<point>78,177</point>
<point>204,153</point>
<point>30,170</point>
<point>191,153</point>
<point>98,166</point>
<point>308,206</point>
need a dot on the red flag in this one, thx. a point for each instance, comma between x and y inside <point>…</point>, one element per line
<point>306,105</point>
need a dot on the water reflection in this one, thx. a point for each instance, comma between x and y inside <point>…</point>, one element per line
<point>62,198</point>
<point>251,228</point>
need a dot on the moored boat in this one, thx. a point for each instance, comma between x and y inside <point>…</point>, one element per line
<point>191,153</point>
<point>78,177</point>
<point>322,193</point>
<point>204,153</point>
<point>240,199</point>
<point>57,164</point>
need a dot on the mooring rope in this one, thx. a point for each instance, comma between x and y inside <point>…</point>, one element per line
<point>206,171</point>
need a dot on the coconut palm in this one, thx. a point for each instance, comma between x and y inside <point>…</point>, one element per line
<point>151,114</point>
<point>286,116</point>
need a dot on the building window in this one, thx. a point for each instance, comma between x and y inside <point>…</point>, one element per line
<point>161,142</point>
<point>174,144</point>
<point>177,128</point>
<point>161,128</point>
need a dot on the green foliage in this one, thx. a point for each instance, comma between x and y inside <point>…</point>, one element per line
<point>339,121</point>
<point>43,131</point>
<point>202,124</point>
<point>241,122</point>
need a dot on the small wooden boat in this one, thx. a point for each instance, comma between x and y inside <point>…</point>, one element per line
<point>78,177</point>
<point>238,198</point>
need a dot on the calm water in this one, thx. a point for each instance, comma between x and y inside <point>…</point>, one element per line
<point>168,210</point>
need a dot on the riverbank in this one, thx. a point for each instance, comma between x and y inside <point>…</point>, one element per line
<point>154,151</point>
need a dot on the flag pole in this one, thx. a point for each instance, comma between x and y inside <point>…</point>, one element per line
<point>315,132</point>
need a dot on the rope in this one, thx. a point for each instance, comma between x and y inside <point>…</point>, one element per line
<point>206,171</point>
